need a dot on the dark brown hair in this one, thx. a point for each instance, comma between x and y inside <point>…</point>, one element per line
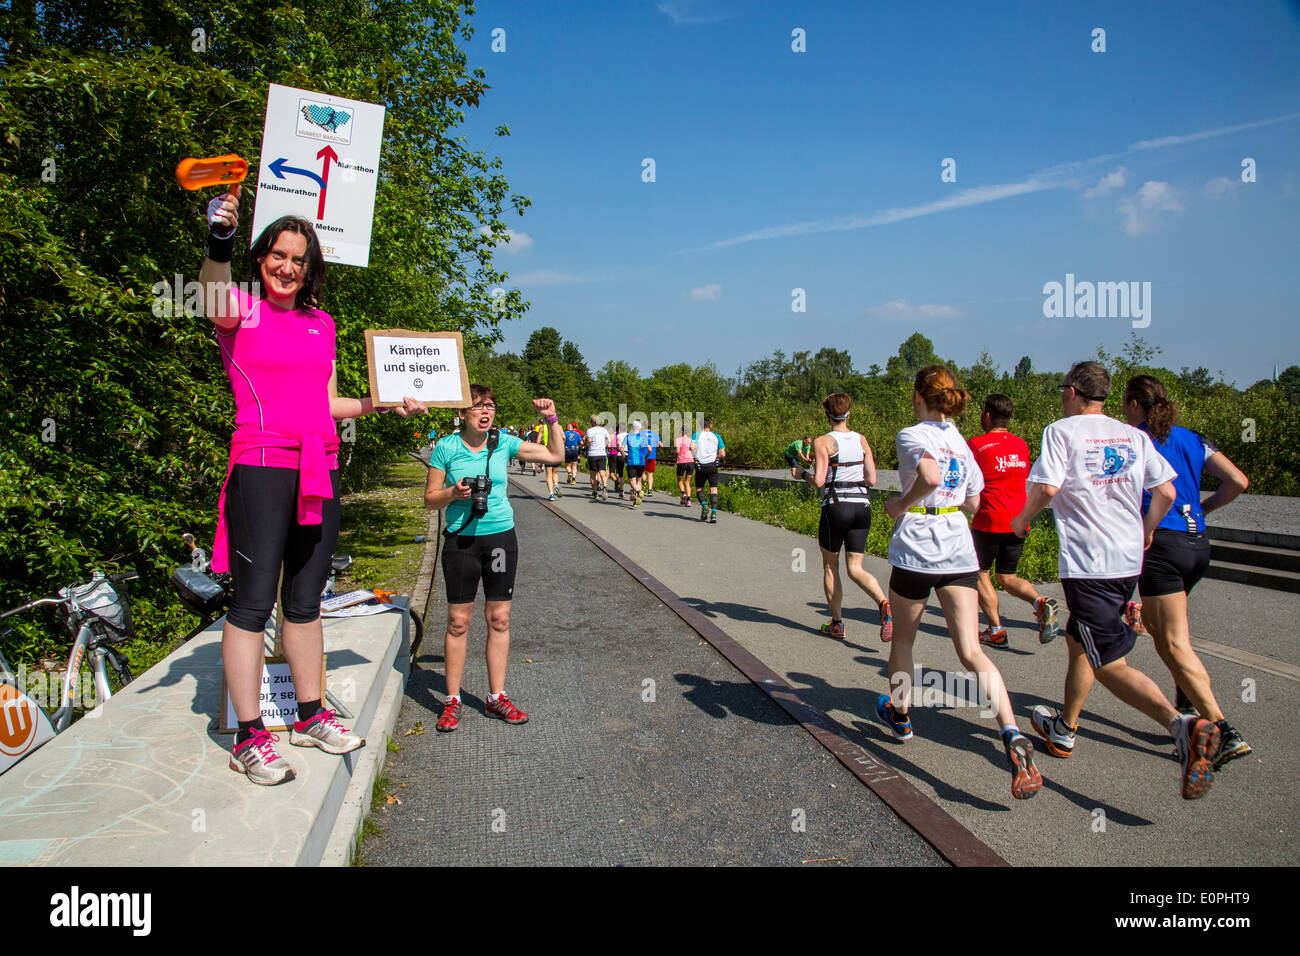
<point>478,392</point>
<point>938,389</point>
<point>313,277</point>
<point>998,407</point>
<point>1149,392</point>
<point>1090,380</point>
<point>836,405</point>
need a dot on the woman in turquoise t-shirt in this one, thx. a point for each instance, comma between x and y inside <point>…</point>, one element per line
<point>483,545</point>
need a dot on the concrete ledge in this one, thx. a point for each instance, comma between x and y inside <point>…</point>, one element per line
<point>144,779</point>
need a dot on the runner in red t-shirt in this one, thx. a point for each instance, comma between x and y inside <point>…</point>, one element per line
<point>1004,460</point>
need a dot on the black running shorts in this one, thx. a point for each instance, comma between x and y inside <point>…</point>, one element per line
<point>707,474</point>
<point>264,534</point>
<point>845,525</point>
<point>635,471</point>
<point>595,463</point>
<point>1175,561</point>
<point>616,464</point>
<point>688,468</point>
<point>997,549</point>
<point>1097,617</point>
<point>492,557</point>
<point>570,457</point>
<point>916,585</point>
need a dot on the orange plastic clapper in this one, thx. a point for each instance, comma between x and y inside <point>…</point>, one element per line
<point>194,173</point>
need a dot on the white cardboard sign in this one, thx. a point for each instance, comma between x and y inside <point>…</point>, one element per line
<point>320,161</point>
<point>277,699</point>
<point>429,366</point>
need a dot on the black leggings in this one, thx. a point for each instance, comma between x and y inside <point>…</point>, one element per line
<point>262,521</point>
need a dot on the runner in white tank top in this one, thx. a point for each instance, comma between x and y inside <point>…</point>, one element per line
<point>845,472</point>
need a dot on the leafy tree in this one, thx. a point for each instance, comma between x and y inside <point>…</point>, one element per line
<point>117,408</point>
<point>1023,367</point>
<point>913,355</point>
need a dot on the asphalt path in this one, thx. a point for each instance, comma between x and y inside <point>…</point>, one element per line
<point>644,745</point>
<point>1115,802</point>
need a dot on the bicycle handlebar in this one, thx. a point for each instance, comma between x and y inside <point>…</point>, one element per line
<point>120,577</point>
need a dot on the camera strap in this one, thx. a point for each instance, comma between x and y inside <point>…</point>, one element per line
<point>494,439</point>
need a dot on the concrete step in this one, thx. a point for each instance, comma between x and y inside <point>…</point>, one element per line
<point>1276,579</point>
<point>1254,555</point>
<point>144,778</point>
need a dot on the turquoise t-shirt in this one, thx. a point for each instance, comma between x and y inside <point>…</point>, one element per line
<point>459,462</point>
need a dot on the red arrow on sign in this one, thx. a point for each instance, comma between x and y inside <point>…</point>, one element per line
<point>327,154</point>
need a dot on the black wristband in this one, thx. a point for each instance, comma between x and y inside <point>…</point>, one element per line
<point>218,249</point>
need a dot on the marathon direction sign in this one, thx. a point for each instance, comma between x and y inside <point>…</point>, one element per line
<point>320,161</point>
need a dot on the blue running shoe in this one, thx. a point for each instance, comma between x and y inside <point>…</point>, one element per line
<point>885,711</point>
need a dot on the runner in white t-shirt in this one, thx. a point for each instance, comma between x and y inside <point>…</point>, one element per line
<point>708,448</point>
<point>1093,470</point>
<point>597,442</point>
<point>932,549</point>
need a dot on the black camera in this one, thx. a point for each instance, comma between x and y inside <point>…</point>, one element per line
<point>480,486</point>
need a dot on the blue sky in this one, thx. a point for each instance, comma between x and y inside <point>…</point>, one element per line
<point>821,170</point>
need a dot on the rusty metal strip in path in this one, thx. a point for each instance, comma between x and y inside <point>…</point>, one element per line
<point>935,825</point>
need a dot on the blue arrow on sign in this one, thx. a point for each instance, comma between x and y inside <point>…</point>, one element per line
<point>279,168</point>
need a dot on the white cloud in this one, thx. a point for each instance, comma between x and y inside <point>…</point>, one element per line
<point>899,309</point>
<point>1221,187</point>
<point>1140,210</point>
<point>519,241</point>
<point>1061,176</point>
<point>1206,133</point>
<point>706,293</point>
<point>1112,180</point>
<point>690,11</point>
<point>967,197</point>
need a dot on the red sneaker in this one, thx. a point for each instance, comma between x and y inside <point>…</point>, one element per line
<point>886,623</point>
<point>505,710</point>
<point>450,718</point>
<point>1133,617</point>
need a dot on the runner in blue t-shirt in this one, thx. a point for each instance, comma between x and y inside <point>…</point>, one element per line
<point>1180,550</point>
<point>653,444</point>
<point>572,448</point>
<point>636,449</point>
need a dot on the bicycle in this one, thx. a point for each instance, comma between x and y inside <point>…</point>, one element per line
<point>98,616</point>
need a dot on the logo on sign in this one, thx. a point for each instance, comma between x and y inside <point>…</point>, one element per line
<point>322,121</point>
<point>17,721</point>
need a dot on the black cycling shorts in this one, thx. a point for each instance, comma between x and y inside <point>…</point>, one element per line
<point>264,534</point>
<point>595,463</point>
<point>1097,617</point>
<point>1175,561</point>
<point>998,549</point>
<point>616,464</point>
<point>492,557</point>
<point>686,468</point>
<point>706,474</point>
<point>844,525</point>
<point>916,585</point>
